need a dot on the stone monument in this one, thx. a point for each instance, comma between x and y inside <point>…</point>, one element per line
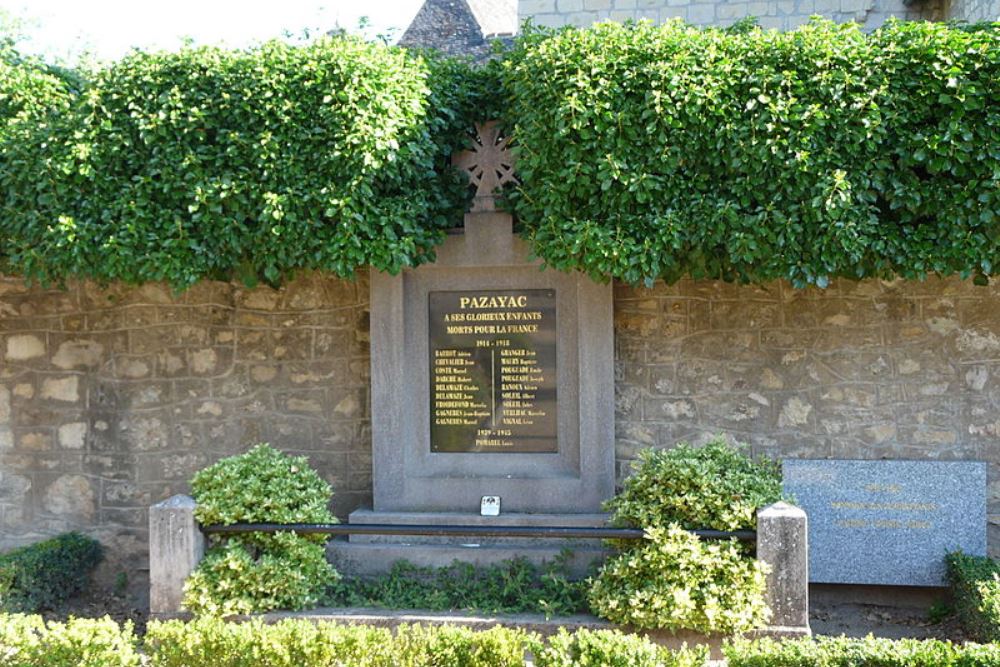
<point>492,387</point>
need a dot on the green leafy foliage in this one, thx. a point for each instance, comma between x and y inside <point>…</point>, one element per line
<point>252,572</point>
<point>867,652</point>
<point>28,641</point>
<point>262,485</point>
<point>211,642</point>
<point>713,486</point>
<point>675,581</point>
<point>422,646</point>
<point>211,162</point>
<point>512,586</point>
<point>30,91</point>
<point>975,583</point>
<point>644,152</point>
<point>296,643</point>
<point>42,576</point>
<point>285,571</point>
<point>652,152</point>
<point>672,579</point>
<point>611,648</point>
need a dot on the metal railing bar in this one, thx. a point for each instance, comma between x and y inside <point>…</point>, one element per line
<point>570,532</point>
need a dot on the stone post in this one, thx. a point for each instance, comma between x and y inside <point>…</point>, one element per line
<point>783,543</point>
<point>176,545</point>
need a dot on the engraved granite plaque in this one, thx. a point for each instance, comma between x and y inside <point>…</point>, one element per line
<point>888,522</point>
<point>493,370</point>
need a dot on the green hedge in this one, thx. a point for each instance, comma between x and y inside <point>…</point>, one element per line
<point>673,580</point>
<point>610,648</point>
<point>868,652</point>
<point>251,572</point>
<point>659,151</point>
<point>644,152</point>
<point>296,643</point>
<point>975,583</point>
<point>43,575</point>
<point>211,162</point>
<point>28,641</point>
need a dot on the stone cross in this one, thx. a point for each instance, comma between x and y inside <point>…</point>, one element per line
<point>489,164</point>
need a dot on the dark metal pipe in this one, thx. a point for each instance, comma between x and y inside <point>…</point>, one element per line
<point>601,533</point>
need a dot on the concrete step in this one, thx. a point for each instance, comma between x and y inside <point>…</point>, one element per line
<point>470,519</point>
<point>366,559</point>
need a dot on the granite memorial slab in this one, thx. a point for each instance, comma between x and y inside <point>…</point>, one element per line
<point>888,522</point>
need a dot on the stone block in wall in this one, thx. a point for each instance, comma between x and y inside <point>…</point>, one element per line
<point>23,347</point>
<point>64,389</point>
<point>71,498</point>
<point>78,354</point>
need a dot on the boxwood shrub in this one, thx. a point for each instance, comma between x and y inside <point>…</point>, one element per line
<point>611,648</point>
<point>867,652</point>
<point>29,641</point>
<point>672,579</point>
<point>211,642</point>
<point>42,576</point>
<point>975,583</point>
<point>260,571</point>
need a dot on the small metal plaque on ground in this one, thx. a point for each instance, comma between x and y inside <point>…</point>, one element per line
<point>888,522</point>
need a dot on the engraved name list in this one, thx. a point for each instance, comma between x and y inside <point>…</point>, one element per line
<point>493,371</point>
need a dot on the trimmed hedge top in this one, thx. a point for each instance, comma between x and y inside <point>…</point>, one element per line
<point>753,155</point>
<point>644,152</point>
<point>207,162</point>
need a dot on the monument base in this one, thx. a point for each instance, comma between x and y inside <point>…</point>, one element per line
<point>363,555</point>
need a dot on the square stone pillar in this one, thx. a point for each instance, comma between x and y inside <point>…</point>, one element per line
<point>783,543</point>
<point>176,546</point>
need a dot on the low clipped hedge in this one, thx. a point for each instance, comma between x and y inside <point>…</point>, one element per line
<point>211,642</point>
<point>867,652</point>
<point>29,641</point>
<point>611,648</point>
<point>43,575</point>
<point>975,583</point>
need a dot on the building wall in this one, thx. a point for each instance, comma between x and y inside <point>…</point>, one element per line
<point>974,10</point>
<point>780,14</point>
<point>111,398</point>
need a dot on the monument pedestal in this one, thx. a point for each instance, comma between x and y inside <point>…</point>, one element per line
<point>372,554</point>
<point>490,377</point>
<point>595,520</point>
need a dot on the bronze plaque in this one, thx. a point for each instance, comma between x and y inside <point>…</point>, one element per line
<point>493,371</point>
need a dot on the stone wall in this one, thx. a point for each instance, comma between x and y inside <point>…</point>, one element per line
<point>111,398</point>
<point>780,14</point>
<point>860,370</point>
<point>974,10</point>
